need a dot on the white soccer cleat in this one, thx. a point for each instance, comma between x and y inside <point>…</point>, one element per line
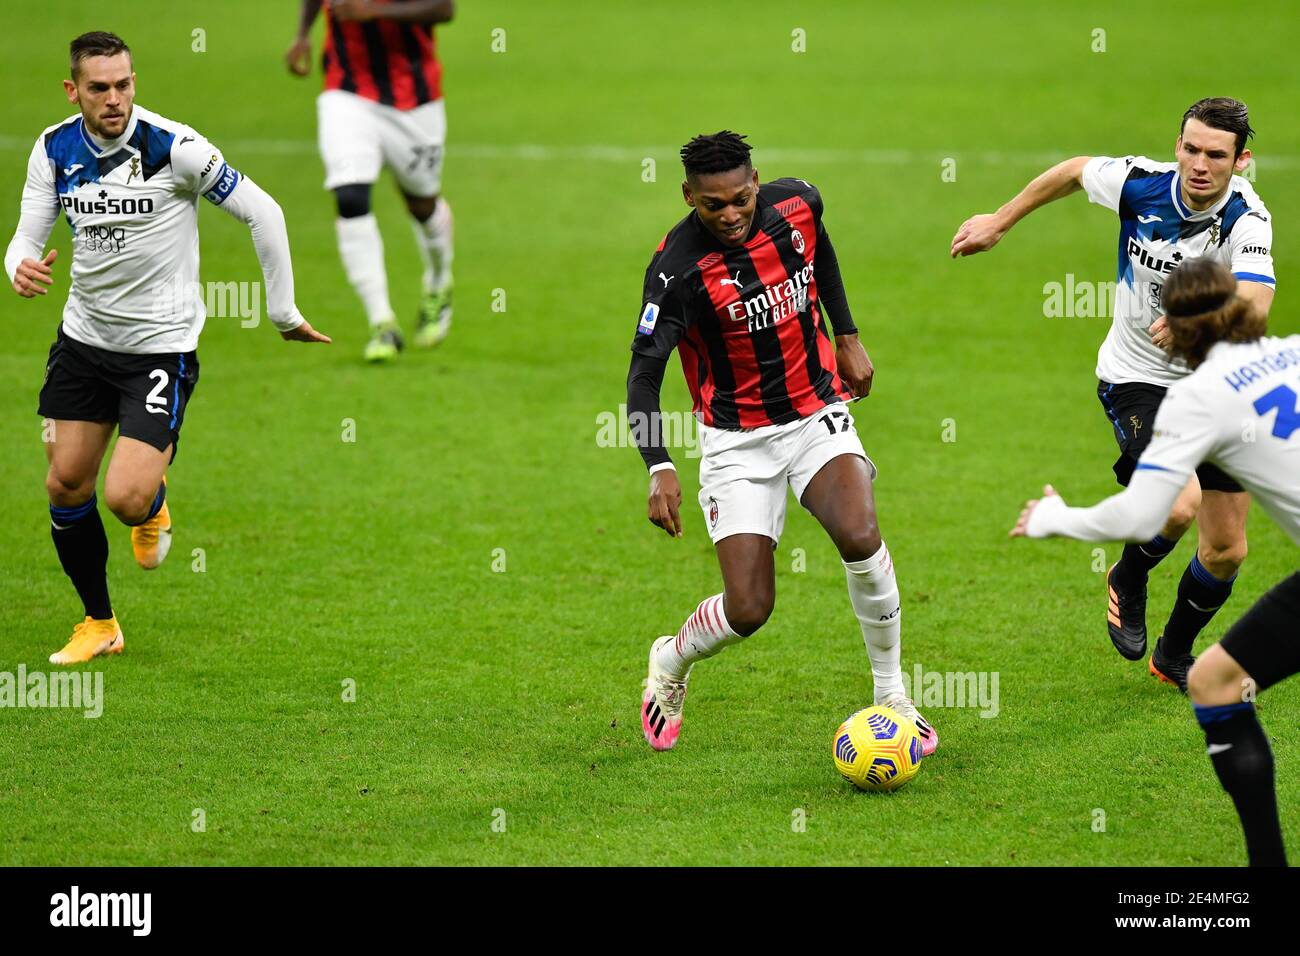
<point>661,703</point>
<point>904,706</point>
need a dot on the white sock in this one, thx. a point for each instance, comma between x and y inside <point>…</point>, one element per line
<point>362,250</point>
<point>704,634</point>
<point>874,594</point>
<point>433,237</point>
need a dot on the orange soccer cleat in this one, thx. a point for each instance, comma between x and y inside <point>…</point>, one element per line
<point>152,540</point>
<point>91,638</point>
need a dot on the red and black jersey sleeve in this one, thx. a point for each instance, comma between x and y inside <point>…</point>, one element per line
<point>664,318</point>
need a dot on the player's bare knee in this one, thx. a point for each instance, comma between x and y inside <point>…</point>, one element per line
<point>129,505</point>
<point>1181,517</point>
<point>421,207</point>
<point>749,612</point>
<point>1215,679</point>
<point>1204,686</point>
<point>67,488</point>
<point>861,543</point>
<point>1222,560</point>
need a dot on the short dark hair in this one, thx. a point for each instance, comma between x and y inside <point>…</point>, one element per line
<point>715,153</point>
<point>1221,112</point>
<point>1202,307</point>
<point>95,43</point>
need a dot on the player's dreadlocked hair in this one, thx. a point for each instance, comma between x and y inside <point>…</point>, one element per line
<point>715,153</point>
<point>96,43</point>
<point>1202,308</point>
<point>1221,112</point>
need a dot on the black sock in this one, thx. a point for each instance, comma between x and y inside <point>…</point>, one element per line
<point>1200,594</point>
<point>79,538</point>
<point>1137,560</point>
<point>1244,764</point>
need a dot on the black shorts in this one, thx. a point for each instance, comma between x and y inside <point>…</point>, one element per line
<point>1131,408</point>
<point>1266,640</point>
<point>145,394</point>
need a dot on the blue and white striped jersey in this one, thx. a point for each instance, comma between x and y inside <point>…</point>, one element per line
<point>132,207</point>
<point>1157,232</point>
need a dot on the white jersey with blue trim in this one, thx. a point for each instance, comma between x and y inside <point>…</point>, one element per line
<point>132,205</point>
<point>1240,410</point>
<point>1157,232</point>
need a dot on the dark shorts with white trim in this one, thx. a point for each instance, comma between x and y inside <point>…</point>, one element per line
<point>146,395</point>
<point>1131,408</point>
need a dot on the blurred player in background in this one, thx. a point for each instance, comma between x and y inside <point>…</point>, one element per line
<point>1169,213</point>
<point>738,288</point>
<point>382,106</point>
<point>1238,376</point>
<point>128,181</point>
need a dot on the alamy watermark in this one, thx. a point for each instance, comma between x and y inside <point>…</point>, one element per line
<point>220,300</point>
<point>639,429</point>
<point>1078,299</point>
<point>954,689</point>
<point>75,908</point>
<point>74,690</point>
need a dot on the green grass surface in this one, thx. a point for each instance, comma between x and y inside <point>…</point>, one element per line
<point>372,561</point>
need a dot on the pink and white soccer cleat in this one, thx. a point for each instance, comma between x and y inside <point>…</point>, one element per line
<point>929,737</point>
<point>661,703</point>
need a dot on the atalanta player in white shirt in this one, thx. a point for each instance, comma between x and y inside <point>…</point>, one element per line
<point>128,182</point>
<point>1240,409</point>
<point>1169,213</point>
<point>742,289</point>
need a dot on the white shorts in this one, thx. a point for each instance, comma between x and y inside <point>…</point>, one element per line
<point>357,137</point>
<point>743,474</point>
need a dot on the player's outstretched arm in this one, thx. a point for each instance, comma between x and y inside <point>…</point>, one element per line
<point>298,56</point>
<point>981,233</point>
<point>1135,514</point>
<point>200,169</point>
<point>664,503</point>
<point>251,205</point>
<point>411,11</point>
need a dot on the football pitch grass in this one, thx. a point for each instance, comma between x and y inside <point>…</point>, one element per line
<point>477,571</point>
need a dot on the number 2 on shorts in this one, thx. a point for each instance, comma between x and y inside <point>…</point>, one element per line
<point>156,401</point>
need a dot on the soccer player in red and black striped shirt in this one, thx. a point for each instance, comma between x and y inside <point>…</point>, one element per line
<point>382,106</point>
<point>742,288</point>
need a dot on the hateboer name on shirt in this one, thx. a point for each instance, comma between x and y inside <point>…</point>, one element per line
<point>1254,371</point>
